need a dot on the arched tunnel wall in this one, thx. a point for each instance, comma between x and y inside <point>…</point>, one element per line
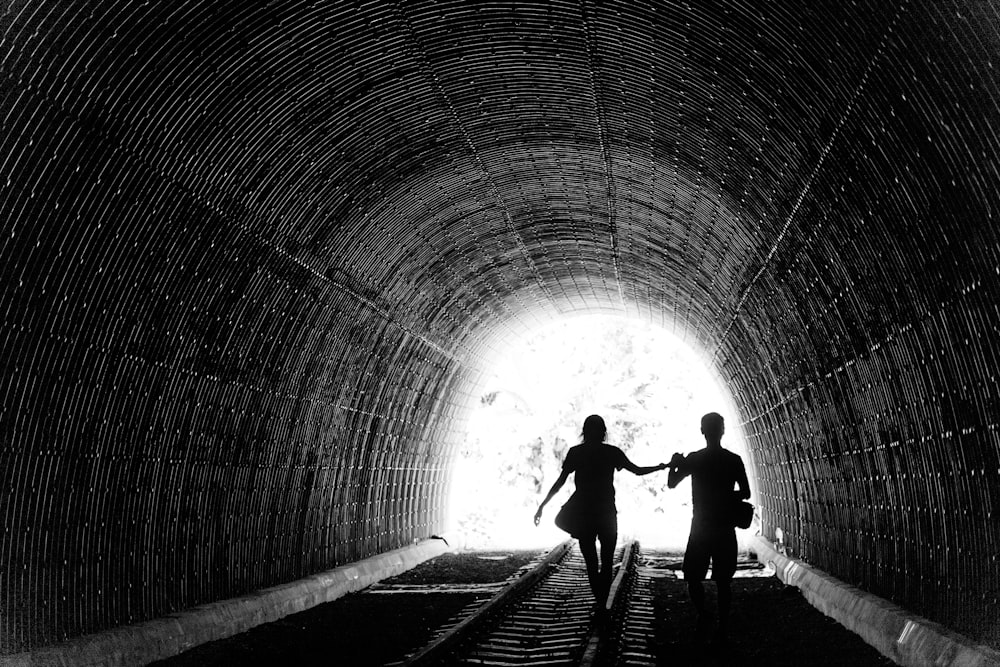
<point>254,255</point>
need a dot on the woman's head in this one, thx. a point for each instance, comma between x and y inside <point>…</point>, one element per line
<point>594,429</point>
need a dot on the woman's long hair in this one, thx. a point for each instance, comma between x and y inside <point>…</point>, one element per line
<point>594,429</point>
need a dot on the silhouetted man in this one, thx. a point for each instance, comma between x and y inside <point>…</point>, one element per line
<point>714,471</point>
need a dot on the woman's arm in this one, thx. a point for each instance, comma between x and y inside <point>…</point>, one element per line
<point>643,470</point>
<point>553,491</point>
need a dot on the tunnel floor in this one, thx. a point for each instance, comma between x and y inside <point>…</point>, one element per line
<point>772,623</point>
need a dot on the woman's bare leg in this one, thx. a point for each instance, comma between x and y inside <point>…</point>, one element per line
<point>588,548</point>
<point>608,543</point>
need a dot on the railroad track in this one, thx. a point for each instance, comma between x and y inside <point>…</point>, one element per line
<point>547,618</point>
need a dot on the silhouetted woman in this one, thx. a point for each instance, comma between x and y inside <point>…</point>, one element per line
<point>595,463</point>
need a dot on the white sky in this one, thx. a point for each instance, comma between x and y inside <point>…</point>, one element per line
<point>534,379</point>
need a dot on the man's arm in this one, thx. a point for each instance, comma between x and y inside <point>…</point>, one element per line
<point>563,476</point>
<point>741,481</point>
<point>678,470</point>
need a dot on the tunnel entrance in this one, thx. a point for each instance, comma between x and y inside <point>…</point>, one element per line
<point>650,386</point>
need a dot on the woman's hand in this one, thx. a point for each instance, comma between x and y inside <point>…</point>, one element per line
<point>538,516</point>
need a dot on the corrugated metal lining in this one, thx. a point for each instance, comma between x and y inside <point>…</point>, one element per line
<point>254,256</point>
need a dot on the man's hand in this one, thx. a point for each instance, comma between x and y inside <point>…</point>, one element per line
<point>538,516</point>
<point>676,460</point>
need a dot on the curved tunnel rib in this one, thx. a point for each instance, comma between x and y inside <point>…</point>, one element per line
<point>255,256</point>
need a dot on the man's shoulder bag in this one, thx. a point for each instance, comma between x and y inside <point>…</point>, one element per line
<point>742,513</point>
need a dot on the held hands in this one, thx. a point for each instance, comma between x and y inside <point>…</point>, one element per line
<point>538,516</point>
<point>676,460</point>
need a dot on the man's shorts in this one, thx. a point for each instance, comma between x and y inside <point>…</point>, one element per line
<point>710,542</point>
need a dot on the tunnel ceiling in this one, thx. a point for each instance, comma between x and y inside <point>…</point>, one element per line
<point>256,254</point>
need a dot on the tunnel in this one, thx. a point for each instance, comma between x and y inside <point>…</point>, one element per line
<point>256,257</point>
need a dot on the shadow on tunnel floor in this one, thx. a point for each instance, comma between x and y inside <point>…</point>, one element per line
<point>772,624</point>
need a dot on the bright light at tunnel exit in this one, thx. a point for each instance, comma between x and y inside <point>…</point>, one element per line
<point>650,387</point>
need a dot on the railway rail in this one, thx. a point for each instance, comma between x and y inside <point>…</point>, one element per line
<point>547,618</point>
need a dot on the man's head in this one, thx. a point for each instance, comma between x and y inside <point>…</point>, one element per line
<point>713,426</point>
<point>594,429</point>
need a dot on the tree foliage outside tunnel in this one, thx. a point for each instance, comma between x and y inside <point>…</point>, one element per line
<point>651,390</point>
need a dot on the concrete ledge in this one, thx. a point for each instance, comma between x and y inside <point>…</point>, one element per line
<point>898,634</point>
<point>164,637</point>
